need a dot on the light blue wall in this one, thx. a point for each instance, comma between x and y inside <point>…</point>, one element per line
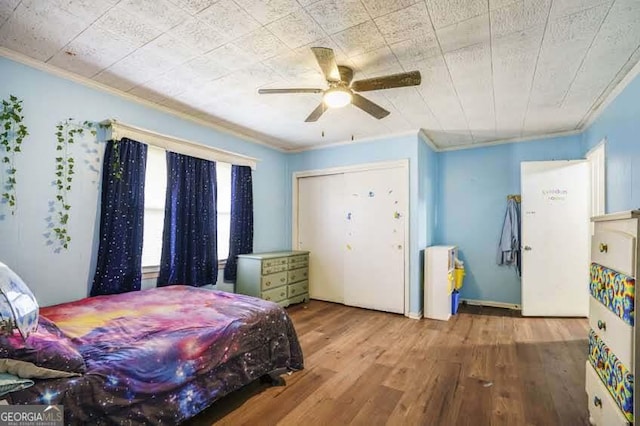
<point>370,152</point>
<point>428,162</point>
<point>428,194</point>
<point>620,124</point>
<point>48,99</point>
<point>474,184</point>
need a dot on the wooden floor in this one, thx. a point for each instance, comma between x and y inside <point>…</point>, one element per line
<point>485,366</point>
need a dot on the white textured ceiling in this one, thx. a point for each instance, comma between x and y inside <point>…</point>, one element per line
<point>491,69</point>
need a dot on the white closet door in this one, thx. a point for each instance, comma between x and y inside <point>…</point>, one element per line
<point>321,230</point>
<point>374,252</point>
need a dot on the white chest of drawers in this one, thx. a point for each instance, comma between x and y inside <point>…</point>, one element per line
<point>281,277</point>
<point>611,364</point>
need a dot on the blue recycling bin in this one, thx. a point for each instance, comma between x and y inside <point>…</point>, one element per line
<point>455,301</point>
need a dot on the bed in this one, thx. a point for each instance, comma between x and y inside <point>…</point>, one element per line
<point>162,355</point>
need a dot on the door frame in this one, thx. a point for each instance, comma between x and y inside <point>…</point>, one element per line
<point>597,158</point>
<point>403,164</point>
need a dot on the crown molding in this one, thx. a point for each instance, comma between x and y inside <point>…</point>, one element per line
<point>426,139</point>
<point>228,128</point>
<point>598,108</point>
<point>512,140</point>
<point>352,142</point>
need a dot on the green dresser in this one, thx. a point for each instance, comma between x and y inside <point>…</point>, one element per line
<point>281,277</point>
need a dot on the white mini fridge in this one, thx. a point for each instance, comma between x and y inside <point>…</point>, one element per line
<point>439,265</point>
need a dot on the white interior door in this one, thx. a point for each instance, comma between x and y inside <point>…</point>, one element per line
<point>555,238</point>
<point>374,252</point>
<point>321,230</point>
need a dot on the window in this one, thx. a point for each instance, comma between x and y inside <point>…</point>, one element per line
<point>223,176</point>
<point>155,188</point>
<point>154,199</point>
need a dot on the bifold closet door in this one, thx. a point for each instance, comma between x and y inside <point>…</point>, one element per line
<point>321,230</point>
<point>374,252</point>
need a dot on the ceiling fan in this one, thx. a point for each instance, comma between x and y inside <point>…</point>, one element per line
<point>342,91</point>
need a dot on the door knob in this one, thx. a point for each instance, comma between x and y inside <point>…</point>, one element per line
<point>597,401</point>
<point>527,248</point>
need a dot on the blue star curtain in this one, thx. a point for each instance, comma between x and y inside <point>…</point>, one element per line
<point>241,232</point>
<point>189,238</point>
<point>119,267</point>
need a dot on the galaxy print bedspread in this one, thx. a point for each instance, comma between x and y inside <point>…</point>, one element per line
<point>162,355</point>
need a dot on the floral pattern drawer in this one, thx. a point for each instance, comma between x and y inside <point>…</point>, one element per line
<point>614,290</point>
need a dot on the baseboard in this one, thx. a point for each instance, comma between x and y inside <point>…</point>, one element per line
<point>491,304</point>
<point>414,315</point>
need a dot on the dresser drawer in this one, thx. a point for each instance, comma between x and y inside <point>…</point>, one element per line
<point>299,299</point>
<point>617,334</point>
<point>615,250</point>
<point>275,295</point>
<point>273,280</point>
<point>298,275</point>
<point>297,289</point>
<point>298,261</point>
<point>603,410</point>
<point>614,290</point>
<point>267,263</point>
<point>614,375</point>
<point>266,270</point>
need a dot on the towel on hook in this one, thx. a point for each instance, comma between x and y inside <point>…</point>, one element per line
<point>509,245</point>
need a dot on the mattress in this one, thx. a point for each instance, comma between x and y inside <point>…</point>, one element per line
<point>163,355</point>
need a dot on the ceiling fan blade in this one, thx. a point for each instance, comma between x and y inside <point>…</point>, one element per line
<point>292,90</point>
<point>346,74</point>
<point>327,61</point>
<point>367,106</point>
<point>316,113</point>
<point>412,78</point>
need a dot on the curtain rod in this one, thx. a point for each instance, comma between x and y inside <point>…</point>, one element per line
<point>117,130</point>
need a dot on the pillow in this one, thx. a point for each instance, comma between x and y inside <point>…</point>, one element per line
<point>18,306</point>
<point>11,383</point>
<point>47,353</point>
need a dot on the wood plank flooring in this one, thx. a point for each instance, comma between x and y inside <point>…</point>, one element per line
<point>485,366</point>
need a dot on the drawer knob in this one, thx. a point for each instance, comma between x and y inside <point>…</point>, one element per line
<point>597,402</point>
<point>282,279</point>
<point>268,283</point>
<point>282,294</point>
<point>293,290</point>
<point>602,325</point>
<point>603,248</point>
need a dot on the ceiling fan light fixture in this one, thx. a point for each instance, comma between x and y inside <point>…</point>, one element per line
<point>337,97</point>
